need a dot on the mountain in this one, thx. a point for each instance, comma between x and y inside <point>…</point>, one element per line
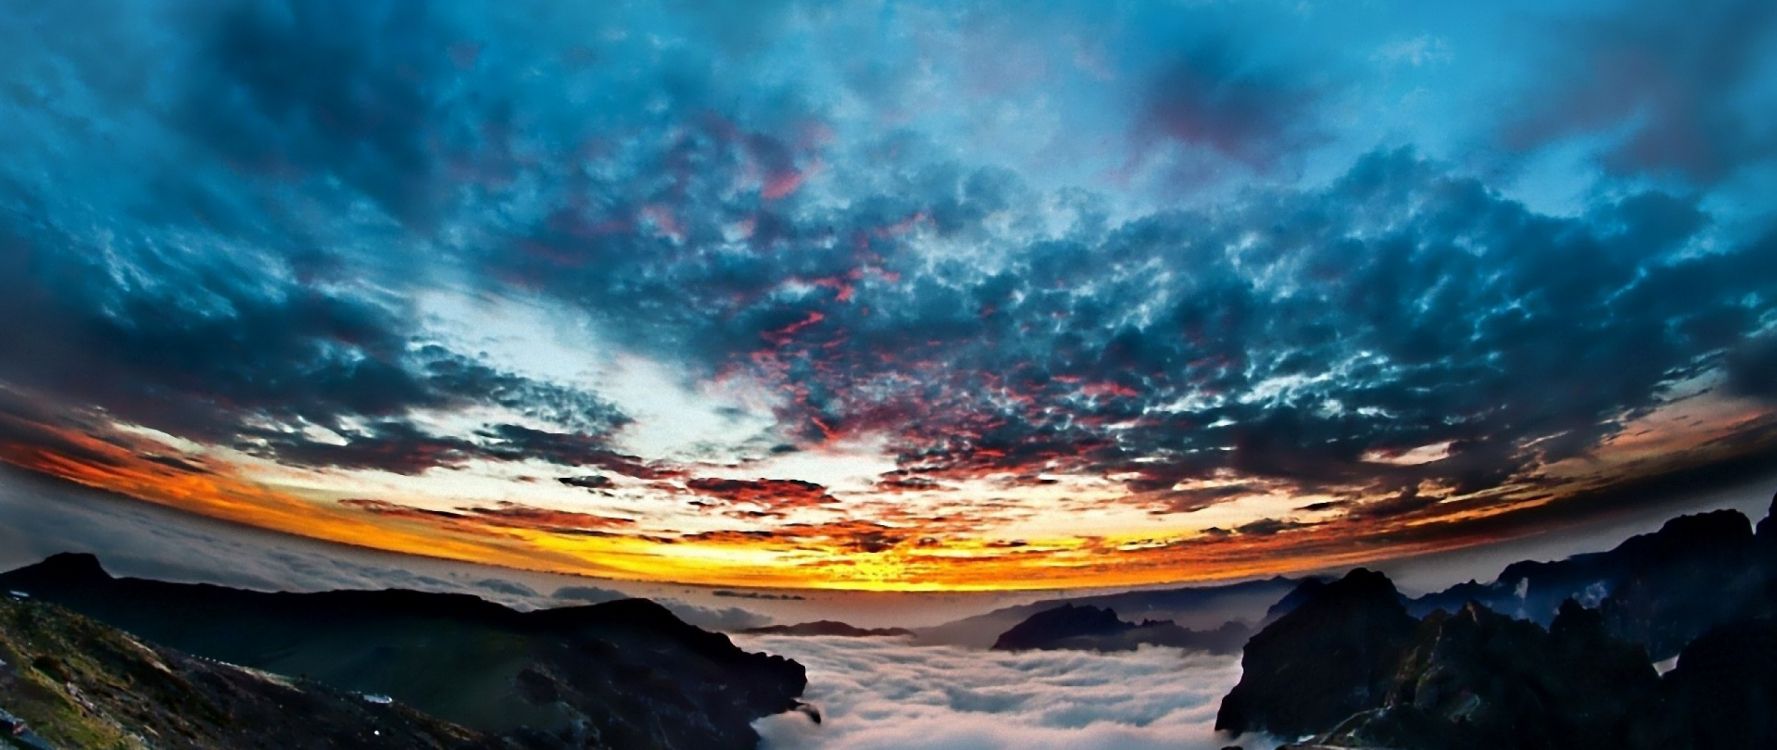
<point>1661,590</point>
<point>69,681</point>
<point>1088,628</point>
<point>625,673</point>
<point>1350,667</point>
<point>1476,680</point>
<point>1329,658</point>
<point>827,627</point>
<point>1721,693</point>
<point>1201,607</point>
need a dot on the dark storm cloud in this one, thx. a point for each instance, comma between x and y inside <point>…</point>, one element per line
<point>1672,88</point>
<point>501,515</point>
<point>1267,527</point>
<point>1752,368</point>
<point>367,93</point>
<point>1214,99</point>
<point>588,482</point>
<point>228,350</point>
<point>1400,306</point>
<point>774,495</point>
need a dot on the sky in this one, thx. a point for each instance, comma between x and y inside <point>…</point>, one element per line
<point>891,295</point>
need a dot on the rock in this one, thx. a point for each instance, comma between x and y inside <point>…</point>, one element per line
<point>1330,657</point>
<point>1478,679</point>
<point>1307,589</point>
<point>1765,535</point>
<point>1720,695</point>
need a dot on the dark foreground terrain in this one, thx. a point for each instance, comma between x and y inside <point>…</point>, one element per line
<point>1556,655</point>
<point>76,683</point>
<point>623,674</point>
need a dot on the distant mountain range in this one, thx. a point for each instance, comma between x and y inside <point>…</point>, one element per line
<point>827,627</point>
<point>1661,590</point>
<point>1205,608</point>
<point>1356,665</point>
<point>619,674</point>
<point>1089,628</point>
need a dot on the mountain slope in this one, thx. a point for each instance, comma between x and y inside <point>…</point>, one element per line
<point>80,684</point>
<point>620,674</point>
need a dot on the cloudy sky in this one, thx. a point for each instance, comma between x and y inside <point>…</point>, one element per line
<point>891,295</point>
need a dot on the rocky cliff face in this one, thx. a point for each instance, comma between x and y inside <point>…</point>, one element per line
<point>1333,655</point>
<point>1483,680</point>
<point>620,674</point>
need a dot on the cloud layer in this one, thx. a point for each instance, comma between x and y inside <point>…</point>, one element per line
<point>883,693</point>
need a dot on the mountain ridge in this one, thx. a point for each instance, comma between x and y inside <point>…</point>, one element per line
<point>626,673</point>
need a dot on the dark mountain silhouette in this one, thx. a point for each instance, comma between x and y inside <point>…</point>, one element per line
<point>69,681</point>
<point>1351,667</point>
<point>625,673</point>
<point>1089,628</point>
<point>1721,693</point>
<point>1477,679</point>
<point>1661,590</point>
<point>827,627</point>
<point>1201,607</point>
<point>1327,659</point>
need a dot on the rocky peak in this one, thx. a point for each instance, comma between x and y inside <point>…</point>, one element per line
<point>1333,655</point>
<point>62,568</point>
<point>1766,532</point>
<point>1065,621</point>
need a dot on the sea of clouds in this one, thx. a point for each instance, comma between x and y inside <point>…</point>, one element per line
<point>888,693</point>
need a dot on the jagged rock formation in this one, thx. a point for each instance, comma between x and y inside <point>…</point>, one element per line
<point>77,683</point>
<point>1660,590</point>
<point>1088,628</point>
<point>827,627</point>
<point>1475,678</point>
<point>619,674</point>
<point>1330,657</point>
<point>1720,695</point>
